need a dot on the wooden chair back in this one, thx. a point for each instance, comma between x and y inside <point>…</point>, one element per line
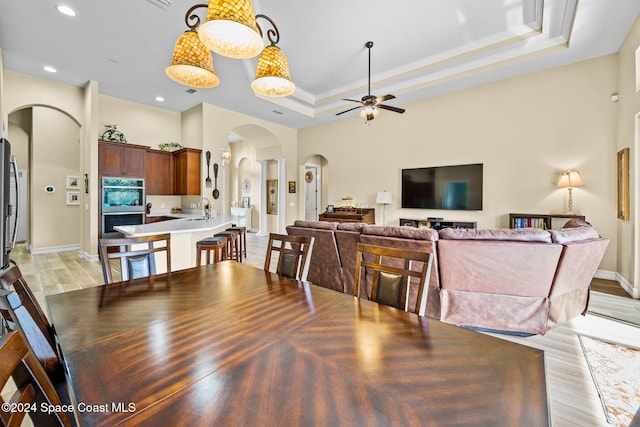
<point>390,282</point>
<point>294,253</point>
<point>17,299</point>
<point>33,385</point>
<point>135,262</point>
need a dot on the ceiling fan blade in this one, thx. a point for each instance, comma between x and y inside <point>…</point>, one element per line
<point>385,98</point>
<point>352,100</point>
<point>350,109</point>
<point>390,108</point>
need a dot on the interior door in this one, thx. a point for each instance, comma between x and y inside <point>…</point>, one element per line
<point>311,192</point>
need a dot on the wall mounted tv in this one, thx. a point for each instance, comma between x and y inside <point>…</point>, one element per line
<point>443,187</point>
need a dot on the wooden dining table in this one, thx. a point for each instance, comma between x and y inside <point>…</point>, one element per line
<point>232,345</point>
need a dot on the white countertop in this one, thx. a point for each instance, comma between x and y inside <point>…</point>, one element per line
<point>191,224</point>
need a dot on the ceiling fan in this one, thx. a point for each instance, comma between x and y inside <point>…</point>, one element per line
<point>369,102</point>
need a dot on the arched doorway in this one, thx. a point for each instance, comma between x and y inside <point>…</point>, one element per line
<point>314,170</point>
<point>256,163</point>
<point>46,142</point>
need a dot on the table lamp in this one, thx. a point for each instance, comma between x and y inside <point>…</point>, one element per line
<point>384,198</point>
<point>568,180</point>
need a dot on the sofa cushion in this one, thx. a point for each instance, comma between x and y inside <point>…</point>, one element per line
<point>351,226</point>
<point>401,232</point>
<point>323,225</point>
<point>503,234</point>
<point>568,235</point>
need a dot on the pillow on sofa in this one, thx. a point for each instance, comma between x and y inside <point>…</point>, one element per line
<point>568,235</point>
<point>324,225</point>
<point>574,222</point>
<point>508,234</point>
<point>401,232</point>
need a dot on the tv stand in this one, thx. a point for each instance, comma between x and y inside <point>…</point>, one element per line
<point>437,224</point>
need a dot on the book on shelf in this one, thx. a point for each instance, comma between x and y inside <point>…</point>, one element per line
<point>529,222</point>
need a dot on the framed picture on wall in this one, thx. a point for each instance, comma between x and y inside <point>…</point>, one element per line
<point>272,197</point>
<point>245,202</point>
<point>292,186</point>
<point>623,184</point>
<point>73,182</point>
<point>73,198</point>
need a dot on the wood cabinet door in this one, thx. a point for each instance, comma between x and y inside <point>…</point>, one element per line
<point>133,164</point>
<point>119,159</point>
<point>159,173</point>
<point>187,171</point>
<point>109,160</point>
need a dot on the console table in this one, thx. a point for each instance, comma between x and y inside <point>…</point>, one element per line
<point>436,224</point>
<point>350,214</point>
<point>544,221</point>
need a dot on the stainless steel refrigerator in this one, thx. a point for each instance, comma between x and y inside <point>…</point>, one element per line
<point>8,213</point>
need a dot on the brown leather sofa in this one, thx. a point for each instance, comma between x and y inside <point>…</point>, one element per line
<point>510,280</point>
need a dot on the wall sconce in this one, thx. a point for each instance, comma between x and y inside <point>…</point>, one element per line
<point>225,154</point>
<point>230,29</point>
<point>384,198</point>
<point>568,180</point>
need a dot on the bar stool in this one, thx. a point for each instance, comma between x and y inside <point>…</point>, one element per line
<point>217,245</point>
<point>233,244</point>
<point>243,238</point>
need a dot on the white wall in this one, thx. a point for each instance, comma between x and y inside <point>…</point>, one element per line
<point>525,130</point>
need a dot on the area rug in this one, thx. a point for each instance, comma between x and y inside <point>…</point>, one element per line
<point>616,372</point>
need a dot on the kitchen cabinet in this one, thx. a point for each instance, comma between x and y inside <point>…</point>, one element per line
<point>187,163</point>
<point>159,172</point>
<point>120,159</point>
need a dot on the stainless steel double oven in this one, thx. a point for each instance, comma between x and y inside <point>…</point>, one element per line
<point>123,203</point>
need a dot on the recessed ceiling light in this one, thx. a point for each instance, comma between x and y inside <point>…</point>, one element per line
<point>159,99</point>
<point>49,69</point>
<point>66,10</point>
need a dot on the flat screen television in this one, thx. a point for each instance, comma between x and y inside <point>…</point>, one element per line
<point>7,205</point>
<point>443,187</point>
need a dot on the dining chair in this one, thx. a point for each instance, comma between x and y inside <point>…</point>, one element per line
<point>294,253</point>
<point>17,299</point>
<point>32,385</point>
<point>136,255</point>
<point>391,270</point>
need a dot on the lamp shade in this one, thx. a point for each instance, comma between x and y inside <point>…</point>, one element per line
<point>384,197</point>
<point>272,74</point>
<point>192,64</point>
<point>230,29</point>
<point>570,179</point>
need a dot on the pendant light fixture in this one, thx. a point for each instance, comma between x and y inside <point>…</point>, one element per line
<point>230,29</point>
<point>192,63</point>
<point>272,75</point>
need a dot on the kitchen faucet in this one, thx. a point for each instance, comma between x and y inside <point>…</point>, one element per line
<point>207,208</point>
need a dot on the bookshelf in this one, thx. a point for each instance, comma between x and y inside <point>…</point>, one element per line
<point>544,221</point>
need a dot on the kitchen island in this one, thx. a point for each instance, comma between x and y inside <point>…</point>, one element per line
<point>185,232</point>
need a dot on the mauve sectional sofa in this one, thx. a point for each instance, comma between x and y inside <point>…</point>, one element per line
<point>523,281</point>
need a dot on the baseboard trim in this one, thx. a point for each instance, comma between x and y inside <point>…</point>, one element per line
<point>634,292</point>
<point>624,283</point>
<point>606,275</point>
<point>53,249</point>
<point>90,258</point>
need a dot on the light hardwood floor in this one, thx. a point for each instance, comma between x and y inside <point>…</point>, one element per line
<point>573,398</point>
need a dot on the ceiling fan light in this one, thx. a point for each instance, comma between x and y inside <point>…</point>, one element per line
<point>369,112</point>
<point>272,75</point>
<point>192,63</point>
<point>230,29</point>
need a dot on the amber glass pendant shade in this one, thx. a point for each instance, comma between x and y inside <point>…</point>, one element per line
<point>230,29</point>
<point>272,75</point>
<point>192,63</point>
